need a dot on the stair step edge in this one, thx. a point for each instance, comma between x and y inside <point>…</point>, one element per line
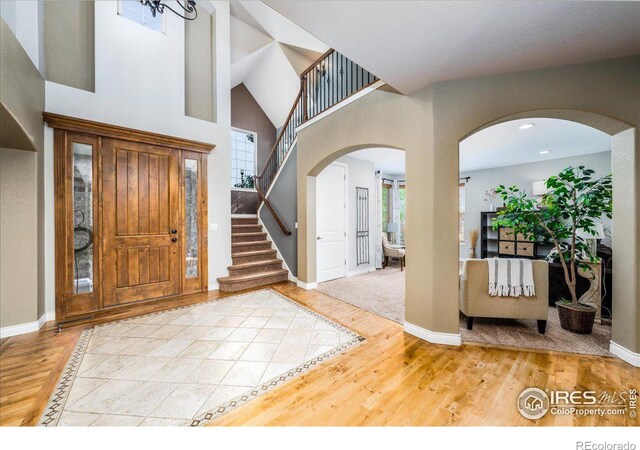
<point>266,262</point>
<point>242,278</point>
<point>253,253</point>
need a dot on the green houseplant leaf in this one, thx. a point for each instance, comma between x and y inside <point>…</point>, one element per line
<point>574,201</point>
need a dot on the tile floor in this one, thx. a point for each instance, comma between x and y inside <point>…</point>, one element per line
<point>172,367</point>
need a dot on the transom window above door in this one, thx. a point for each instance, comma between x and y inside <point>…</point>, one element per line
<point>243,159</point>
<point>134,10</point>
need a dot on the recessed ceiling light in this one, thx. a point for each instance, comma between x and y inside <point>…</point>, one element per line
<point>526,126</point>
<point>544,152</point>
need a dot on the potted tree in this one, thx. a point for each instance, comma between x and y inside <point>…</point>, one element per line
<point>574,201</point>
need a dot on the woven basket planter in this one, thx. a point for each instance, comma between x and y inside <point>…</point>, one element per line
<point>577,319</point>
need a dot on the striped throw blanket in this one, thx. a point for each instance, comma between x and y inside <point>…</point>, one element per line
<point>511,277</point>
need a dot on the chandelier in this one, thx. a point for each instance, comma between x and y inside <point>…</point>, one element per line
<point>188,6</point>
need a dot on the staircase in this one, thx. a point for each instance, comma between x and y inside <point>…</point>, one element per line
<point>254,261</point>
<point>328,81</point>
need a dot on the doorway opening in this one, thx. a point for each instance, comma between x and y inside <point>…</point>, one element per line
<point>360,216</point>
<point>525,152</point>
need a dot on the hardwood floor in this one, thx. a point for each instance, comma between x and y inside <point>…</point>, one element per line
<point>392,378</point>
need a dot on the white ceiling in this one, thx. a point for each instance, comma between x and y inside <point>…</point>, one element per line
<point>268,52</point>
<point>389,161</point>
<point>410,44</point>
<point>506,144</point>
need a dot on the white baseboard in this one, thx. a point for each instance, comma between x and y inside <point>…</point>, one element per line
<point>361,271</point>
<point>434,337</point>
<point>214,286</point>
<point>244,216</point>
<point>46,317</point>
<point>307,286</point>
<point>292,278</point>
<point>29,327</point>
<point>625,354</point>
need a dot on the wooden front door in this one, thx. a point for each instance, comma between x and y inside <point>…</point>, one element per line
<point>141,217</point>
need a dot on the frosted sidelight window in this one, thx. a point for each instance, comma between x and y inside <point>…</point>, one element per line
<point>191,216</point>
<point>82,218</point>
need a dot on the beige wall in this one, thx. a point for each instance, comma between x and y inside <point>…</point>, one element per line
<point>21,95</point>
<point>22,92</point>
<point>18,237</point>
<point>69,43</point>
<point>429,125</point>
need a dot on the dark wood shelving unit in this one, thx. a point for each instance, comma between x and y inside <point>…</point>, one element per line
<point>490,241</point>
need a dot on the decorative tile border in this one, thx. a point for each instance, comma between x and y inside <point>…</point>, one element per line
<point>52,412</point>
<point>283,378</point>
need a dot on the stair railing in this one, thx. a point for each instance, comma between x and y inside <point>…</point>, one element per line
<point>331,79</point>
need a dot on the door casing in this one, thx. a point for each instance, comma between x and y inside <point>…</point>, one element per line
<point>71,306</point>
<point>342,271</point>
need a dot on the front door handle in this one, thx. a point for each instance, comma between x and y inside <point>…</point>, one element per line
<point>174,239</point>
<point>318,238</point>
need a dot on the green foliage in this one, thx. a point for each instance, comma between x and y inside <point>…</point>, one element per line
<point>245,182</point>
<point>575,201</point>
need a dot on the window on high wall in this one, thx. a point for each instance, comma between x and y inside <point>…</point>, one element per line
<point>461,213</point>
<point>243,159</point>
<point>141,14</point>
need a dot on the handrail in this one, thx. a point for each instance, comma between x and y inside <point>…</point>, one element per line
<point>316,62</point>
<point>334,79</point>
<point>275,215</point>
<point>273,149</point>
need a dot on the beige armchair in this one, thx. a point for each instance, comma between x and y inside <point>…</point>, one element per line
<point>475,301</point>
<point>391,252</point>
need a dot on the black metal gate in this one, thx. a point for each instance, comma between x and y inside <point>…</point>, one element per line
<point>362,225</point>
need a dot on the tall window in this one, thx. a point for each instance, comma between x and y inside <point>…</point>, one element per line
<point>243,159</point>
<point>141,14</point>
<point>403,211</point>
<point>387,208</point>
<point>461,212</point>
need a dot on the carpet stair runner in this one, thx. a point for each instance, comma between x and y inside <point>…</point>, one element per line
<point>255,263</point>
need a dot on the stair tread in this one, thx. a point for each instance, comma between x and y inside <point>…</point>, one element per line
<point>266,262</point>
<point>251,233</point>
<point>247,244</point>
<point>254,253</point>
<point>246,225</point>
<point>253,276</point>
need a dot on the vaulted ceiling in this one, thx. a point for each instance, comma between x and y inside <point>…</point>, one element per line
<point>410,44</point>
<point>268,53</point>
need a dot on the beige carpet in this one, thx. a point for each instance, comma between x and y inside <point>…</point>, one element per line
<point>380,292</point>
<point>524,334</point>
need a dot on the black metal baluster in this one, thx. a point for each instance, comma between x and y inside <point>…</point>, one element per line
<point>351,64</point>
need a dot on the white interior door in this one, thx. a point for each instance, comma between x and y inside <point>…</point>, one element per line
<point>331,230</point>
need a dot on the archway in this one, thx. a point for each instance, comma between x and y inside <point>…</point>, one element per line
<point>307,244</point>
<point>623,136</point>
